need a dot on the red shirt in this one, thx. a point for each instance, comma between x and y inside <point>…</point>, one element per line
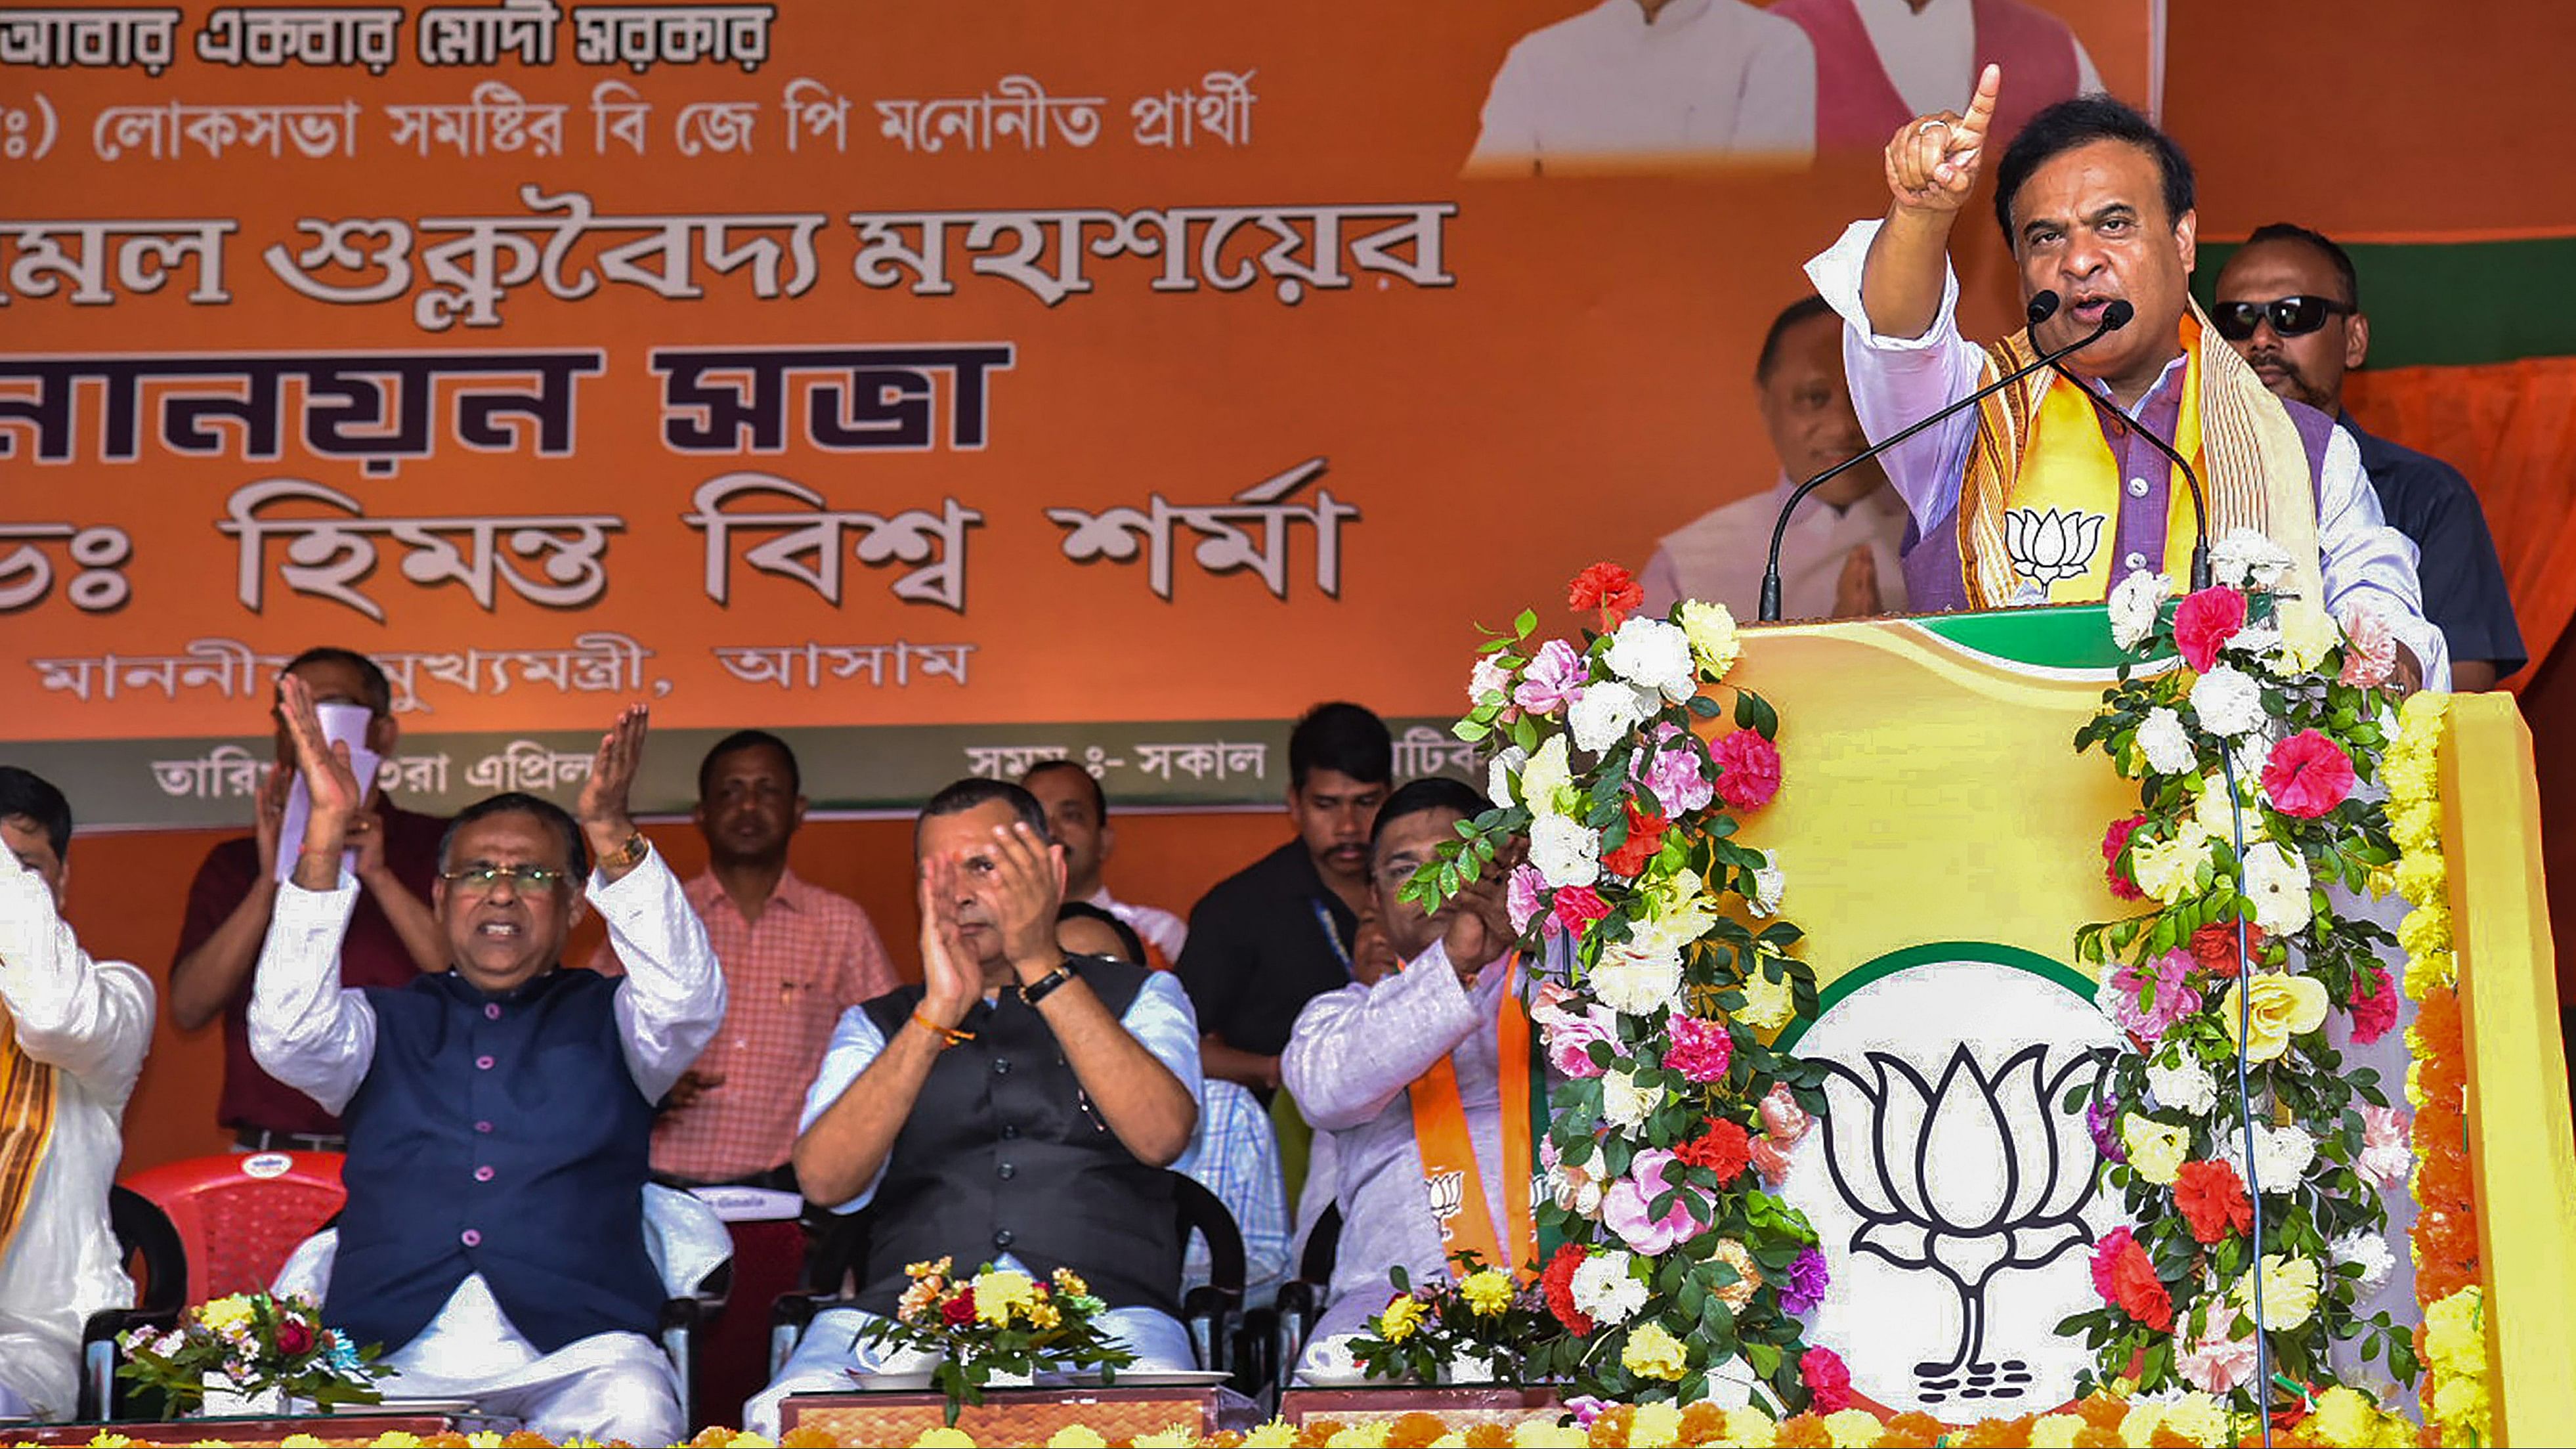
<point>371,955</point>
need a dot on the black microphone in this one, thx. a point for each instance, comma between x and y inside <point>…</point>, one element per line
<point>2128,424</point>
<point>2042,307</point>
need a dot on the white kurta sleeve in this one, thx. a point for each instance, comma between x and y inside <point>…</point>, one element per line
<point>89,1018</point>
<point>672,1002</point>
<point>306,1030</point>
<point>2369,565</point>
<point>1355,1050</point>
<point>1898,381</point>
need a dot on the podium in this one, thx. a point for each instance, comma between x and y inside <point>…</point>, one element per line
<point>1941,840</point>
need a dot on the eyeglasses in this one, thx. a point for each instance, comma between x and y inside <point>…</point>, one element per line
<point>2290,316</point>
<point>484,877</point>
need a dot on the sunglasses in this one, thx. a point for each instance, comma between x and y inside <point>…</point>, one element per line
<point>2289,316</point>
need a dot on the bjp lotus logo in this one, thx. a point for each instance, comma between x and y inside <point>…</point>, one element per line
<point>1448,1192</point>
<point>2054,545</point>
<point>1963,1178</point>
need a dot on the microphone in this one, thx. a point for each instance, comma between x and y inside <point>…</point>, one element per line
<point>2042,307</point>
<point>2190,477</point>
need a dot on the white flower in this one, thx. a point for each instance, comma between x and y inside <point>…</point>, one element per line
<point>1768,883</point>
<point>1333,1357</point>
<point>2282,1155</point>
<point>2370,1250</point>
<point>1606,1289</point>
<point>1469,1368</point>
<point>2134,603</point>
<point>1654,655</point>
<point>1488,677</point>
<point>1605,712</point>
<point>1502,770</point>
<point>1546,774</point>
<point>2186,1087</point>
<point>2227,700</point>
<point>2277,882</point>
<point>2253,641</point>
<point>1575,1190</point>
<point>2161,738</point>
<point>1565,852</point>
<point>1627,1104</point>
<point>2246,559</point>
<point>1635,981</point>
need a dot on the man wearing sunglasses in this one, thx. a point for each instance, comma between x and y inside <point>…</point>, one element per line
<point>500,1112</point>
<point>2041,494</point>
<point>2289,302</point>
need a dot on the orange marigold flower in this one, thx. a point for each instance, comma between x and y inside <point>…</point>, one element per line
<point>1997,1434</point>
<point>2089,1437</point>
<point>1912,1431</point>
<point>1610,1430</point>
<point>1314,1432</point>
<point>449,1440</point>
<point>530,1439</point>
<point>1803,1431</point>
<point>1225,1439</point>
<point>2164,1438</point>
<point>1488,1436</point>
<point>2102,1411</point>
<point>1703,1423</point>
<point>1414,1431</point>
<point>802,1437</point>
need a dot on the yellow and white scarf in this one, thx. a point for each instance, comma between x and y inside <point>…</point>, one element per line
<point>26,1125</point>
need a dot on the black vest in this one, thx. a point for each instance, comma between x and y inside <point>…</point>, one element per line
<point>501,1136</point>
<point>1004,1154</point>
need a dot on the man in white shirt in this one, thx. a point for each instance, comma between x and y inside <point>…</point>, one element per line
<point>77,1033</point>
<point>1650,82</point>
<point>1077,812</point>
<point>1839,557</point>
<point>500,1113</point>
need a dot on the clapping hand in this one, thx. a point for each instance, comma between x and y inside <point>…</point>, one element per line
<point>1028,890</point>
<point>1932,163</point>
<point>951,980</point>
<point>330,784</point>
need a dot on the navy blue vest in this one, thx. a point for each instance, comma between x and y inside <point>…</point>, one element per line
<point>1004,1154</point>
<point>501,1136</point>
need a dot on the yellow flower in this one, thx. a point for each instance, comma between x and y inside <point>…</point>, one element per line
<point>1083,1436</point>
<point>2423,973</point>
<point>2416,825</point>
<point>1451,1440</point>
<point>2055,1431</point>
<point>1714,644</point>
<point>2455,1332</point>
<point>1748,1275</point>
<point>944,1438</point>
<point>1275,1434</point>
<point>2345,1418</point>
<point>1371,1435</point>
<point>2423,875</point>
<point>2426,929</point>
<point>1068,1281</point>
<point>2289,1291</point>
<point>2138,1426</point>
<point>2198,1417</point>
<point>1751,1428</point>
<point>2155,1150</point>
<point>300,1441</point>
<point>1654,1426</point>
<point>927,1270</point>
<point>2169,869</point>
<point>1044,1314</point>
<point>1488,1291</point>
<point>2214,816</point>
<point>1768,1004</point>
<point>2461,1403</point>
<point>2415,1098</point>
<point>2307,635</point>
<point>222,1313</point>
<point>2408,774</point>
<point>998,1292</point>
<point>104,1440</point>
<point>1182,1436</point>
<point>748,1440</point>
<point>1548,778</point>
<point>483,1439</point>
<point>1653,1353</point>
<point>1854,1428</point>
<point>1402,1316</point>
<point>1547,1434</point>
<point>397,1439</point>
<point>2421,711</point>
<point>2284,1006</point>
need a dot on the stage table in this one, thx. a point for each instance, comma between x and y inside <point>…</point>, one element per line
<point>1461,1406</point>
<point>1019,1416</point>
<point>263,1429</point>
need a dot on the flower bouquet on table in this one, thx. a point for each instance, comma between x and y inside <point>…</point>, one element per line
<point>995,1323</point>
<point>1622,758</point>
<point>247,1345</point>
<point>1479,1327</point>
<point>2252,758</point>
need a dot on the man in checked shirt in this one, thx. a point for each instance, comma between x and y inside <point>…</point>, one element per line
<point>794,957</point>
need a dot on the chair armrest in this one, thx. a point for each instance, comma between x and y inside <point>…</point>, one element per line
<point>790,1315</point>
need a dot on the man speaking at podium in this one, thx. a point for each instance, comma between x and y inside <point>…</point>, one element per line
<point>2041,493</point>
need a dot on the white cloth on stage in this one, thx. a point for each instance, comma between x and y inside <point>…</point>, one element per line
<point>1161,929</point>
<point>91,1021</point>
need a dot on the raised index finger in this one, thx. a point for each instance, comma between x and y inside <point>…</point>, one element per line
<point>1981,107</point>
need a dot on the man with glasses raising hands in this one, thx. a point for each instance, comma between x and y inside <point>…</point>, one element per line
<point>500,1113</point>
<point>2289,302</point>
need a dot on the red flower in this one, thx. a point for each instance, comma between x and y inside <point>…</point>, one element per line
<point>1827,1380</point>
<point>2374,1006</point>
<point>1608,588</point>
<point>1645,837</point>
<point>2213,947</point>
<point>1748,769</point>
<point>2307,775</point>
<point>960,1309</point>
<point>1557,1284</point>
<point>2211,1198</point>
<point>1724,1149</point>
<point>2115,840</point>
<point>2106,1251</point>
<point>293,1336</point>
<point>1576,907</point>
<point>2205,621</point>
<point>2131,1280</point>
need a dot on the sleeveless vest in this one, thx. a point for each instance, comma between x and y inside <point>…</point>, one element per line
<point>1857,107</point>
<point>500,1136</point>
<point>1004,1154</point>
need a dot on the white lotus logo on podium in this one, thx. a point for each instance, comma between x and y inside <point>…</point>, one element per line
<point>1955,1196</point>
<point>2046,547</point>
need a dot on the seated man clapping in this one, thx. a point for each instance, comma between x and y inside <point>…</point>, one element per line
<point>500,1113</point>
<point>1017,1107</point>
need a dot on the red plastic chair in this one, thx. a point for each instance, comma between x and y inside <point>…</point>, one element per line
<point>241,1214</point>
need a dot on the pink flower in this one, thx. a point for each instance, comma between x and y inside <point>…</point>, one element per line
<point>2217,1363</point>
<point>1555,676</point>
<point>2170,973</point>
<point>2307,775</point>
<point>2374,1006</point>
<point>2106,1251</point>
<point>2205,621</point>
<point>1623,1208</point>
<point>1748,769</point>
<point>2115,840</point>
<point>2385,1158</point>
<point>1826,1379</point>
<point>1699,1049</point>
<point>1570,1039</point>
<point>1577,907</point>
<point>1673,774</point>
<point>2369,650</point>
<point>1770,1159</point>
<point>1521,896</point>
<point>1782,1117</point>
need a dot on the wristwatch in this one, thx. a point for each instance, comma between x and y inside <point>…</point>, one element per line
<point>631,853</point>
<point>1036,991</point>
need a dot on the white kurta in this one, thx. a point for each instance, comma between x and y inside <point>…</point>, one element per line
<point>1719,556</point>
<point>1706,77</point>
<point>92,1022</point>
<point>318,1037</point>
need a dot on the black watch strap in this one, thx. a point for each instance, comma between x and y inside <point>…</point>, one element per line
<point>1036,991</point>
